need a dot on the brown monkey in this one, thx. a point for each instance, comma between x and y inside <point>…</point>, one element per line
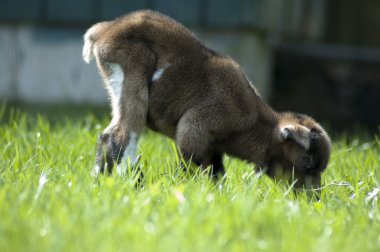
<point>159,75</point>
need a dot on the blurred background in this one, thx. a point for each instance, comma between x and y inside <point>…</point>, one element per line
<point>319,57</point>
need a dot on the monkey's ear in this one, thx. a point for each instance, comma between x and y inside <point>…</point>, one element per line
<point>285,134</point>
<point>297,134</point>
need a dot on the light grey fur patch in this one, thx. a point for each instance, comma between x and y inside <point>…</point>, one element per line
<point>115,87</point>
<point>129,158</point>
<point>87,51</point>
<point>95,172</point>
<point>158,73</point>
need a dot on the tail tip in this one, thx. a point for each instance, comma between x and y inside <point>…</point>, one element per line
<point>87,52</point>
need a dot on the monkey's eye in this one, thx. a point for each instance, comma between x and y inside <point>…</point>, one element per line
<point>314,133</point>
<point>307,160</point>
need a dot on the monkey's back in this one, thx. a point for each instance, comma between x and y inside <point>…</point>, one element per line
<point>192,76</point>
<point>161,34</point>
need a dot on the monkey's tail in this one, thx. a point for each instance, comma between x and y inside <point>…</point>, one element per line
<point>90,38</point>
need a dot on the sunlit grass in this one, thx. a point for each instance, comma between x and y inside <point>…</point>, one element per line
<point>49,201</point>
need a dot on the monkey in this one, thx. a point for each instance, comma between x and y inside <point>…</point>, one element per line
<point>159,75</point>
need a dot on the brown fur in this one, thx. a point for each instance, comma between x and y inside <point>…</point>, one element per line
<point>203,100</point>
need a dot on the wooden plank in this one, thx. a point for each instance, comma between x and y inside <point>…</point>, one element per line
<point>70,11</point>
<point>243,13</point>
<point>187,12</point>
<point>20,10</point>
<point>110,9</point>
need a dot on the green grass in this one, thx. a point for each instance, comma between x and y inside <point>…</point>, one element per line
<point>49,201</point>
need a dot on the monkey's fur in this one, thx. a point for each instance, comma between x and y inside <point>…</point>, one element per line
<point>201,98</point>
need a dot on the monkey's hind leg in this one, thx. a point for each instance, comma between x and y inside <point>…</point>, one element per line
<point>127,85</point>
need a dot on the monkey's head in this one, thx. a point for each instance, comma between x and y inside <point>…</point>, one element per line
<point>303,151</point>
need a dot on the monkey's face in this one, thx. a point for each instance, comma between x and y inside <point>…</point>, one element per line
<point>305,151</point>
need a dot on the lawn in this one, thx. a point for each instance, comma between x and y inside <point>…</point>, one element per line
<point>49,201</point>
